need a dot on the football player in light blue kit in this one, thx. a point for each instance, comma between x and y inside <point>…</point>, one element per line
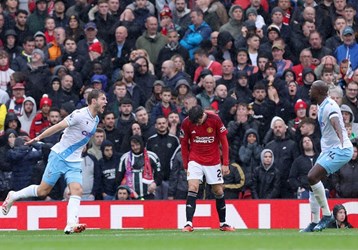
<point>65,159</point>
<point>337,149</point>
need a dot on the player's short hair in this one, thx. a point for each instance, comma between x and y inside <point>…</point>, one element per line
<point>195,113</point>
<point>94,94</point>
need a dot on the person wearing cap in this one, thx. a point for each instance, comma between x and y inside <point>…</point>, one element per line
<point>41,121</point>
<point>278,49</point>
<point>40,40</point>
<point>349,48</point>
<point>18,96</point>
<point>300,108</point>
<point>277,15</point>
<point>197,32</point>
<point>272,33</point>
<point>151,40</point>
<point>36,20</point>
<point>91,31</point>
<point>235,22</point>
<point>251,14</point>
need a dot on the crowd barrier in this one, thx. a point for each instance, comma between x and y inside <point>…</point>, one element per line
<point>242,214</point>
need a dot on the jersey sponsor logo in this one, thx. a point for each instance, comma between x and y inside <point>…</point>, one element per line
<point>222,129</point>
<point>87,134</point>
<point>209,130</point>
<point>204,139</point>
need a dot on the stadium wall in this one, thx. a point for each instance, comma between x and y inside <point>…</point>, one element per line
<point>242,214</point>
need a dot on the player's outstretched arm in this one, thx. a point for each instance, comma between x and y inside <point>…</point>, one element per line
<point>48,132</point>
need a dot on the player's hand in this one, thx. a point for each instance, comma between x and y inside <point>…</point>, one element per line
<point>36,139</point>
<point>225,169</point>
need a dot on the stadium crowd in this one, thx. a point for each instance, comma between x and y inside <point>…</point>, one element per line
<point>251,62</point>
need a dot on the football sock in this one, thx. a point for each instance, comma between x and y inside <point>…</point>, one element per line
<point>320,195</point>
<point>314,208</point>
<point>72,209</point>
<point>190,205</point>
<point>27,192</point>
<point>221,208</point>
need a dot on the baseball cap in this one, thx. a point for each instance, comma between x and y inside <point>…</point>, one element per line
<point>90,25</point>
<point>277,46</point>
<point>348,31</point>
<point>18,85</point>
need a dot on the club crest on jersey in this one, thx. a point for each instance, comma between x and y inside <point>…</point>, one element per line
<point>209,130</point>
<point>87,134</point>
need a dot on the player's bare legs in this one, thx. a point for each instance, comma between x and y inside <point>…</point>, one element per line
<point>72,209</point>
<point>41,190</point>
<point>315,175</point>
<point>218,191</point>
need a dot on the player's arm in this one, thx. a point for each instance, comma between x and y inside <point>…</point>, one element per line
<point>184,142</point>
<point>50,131</point>
<point>333,118</point>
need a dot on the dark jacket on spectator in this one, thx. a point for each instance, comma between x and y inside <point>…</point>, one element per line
<point>178,185</point>
<point>345,180</point>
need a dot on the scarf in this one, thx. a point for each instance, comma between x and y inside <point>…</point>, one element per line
<point>147,173</point>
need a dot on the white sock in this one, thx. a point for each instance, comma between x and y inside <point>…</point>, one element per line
<point>189,223</point>
<point>314,208</point>
<point>320,195</point>
<point>27,192</point>
<point>222,223</point>
<point>72,209</point>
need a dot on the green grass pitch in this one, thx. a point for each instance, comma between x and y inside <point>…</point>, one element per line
<point>343,239</point>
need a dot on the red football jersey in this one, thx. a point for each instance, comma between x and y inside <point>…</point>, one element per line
<point>201,143</point>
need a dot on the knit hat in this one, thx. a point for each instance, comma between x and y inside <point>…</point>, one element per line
<point>39,33</point>
<point>300,104</point>
<point>273,27</point>
<point>45,100</point>
<point>66,57</point>
<point>251,10</point>
<point>277,9</point>
<point>96,47</point>
<point>39,52</point>
<point>166,12</point>
<point>10,32</point>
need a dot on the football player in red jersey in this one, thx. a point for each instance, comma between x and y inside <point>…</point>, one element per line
<point>201,136</point>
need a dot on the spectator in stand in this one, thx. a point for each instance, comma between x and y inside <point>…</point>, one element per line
<point>119,51</point>
<point>350,97</point>
<point>11,45</point>
<point>74,29</point>
<point>91,174</point>
<point>249,156</point>
<point>306,61</point>
<point>165,106</point>
<point>237,129</point>
<point>109,168</point>
<point>143,77</point>
<point>146,125</point>
<point>262,59</point>
<point>41,121</point>
<point>140,169</point>
<point>90,37</point>
<point>266,178</point>
<point>5,165</point>
<point>20,62</point>
<point>123,193</point>
<point>134,130</point>
<point>300,108</point>
<point>340,218</point>
<point>225,48</point>
<point>349,48</point>
<point>235,22</point>
<point>301,166</point>
<point>277,17</point>
<point>178,185</point>
<point>36,20</point>
<point>113,134</point>
<point>21,28</point>
<point>5,71</point>
<point>172,48</point>
<point>285,151</point>
<point>300,38</point>
<point>241,91</point>
<point>197,32</point>
<point>151,40</point>
<point>165,146</point>
<point>317,48</point>
<point>228,78</point>
<point>174,124</point>
<point>29,110</point>
<point>15,103</point>
<point>344,180</point>
<point>54,118</point>
<point>277,54</point>
<point>336,39</point>
<point>125,118</point>
<point>181,15</point>
<point>182,89</point>
<point>96,142</point>
<point>273,32</point>
<point>104,21</point>
<point>24,158</point>
<point>206,97</point>
<point>66,93</point>
<point>55,49</point>
<point>204,62</point>
<point>189,102</point>
<point>134,92</point>
<point>40,40</point>
<point>154,99</point>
